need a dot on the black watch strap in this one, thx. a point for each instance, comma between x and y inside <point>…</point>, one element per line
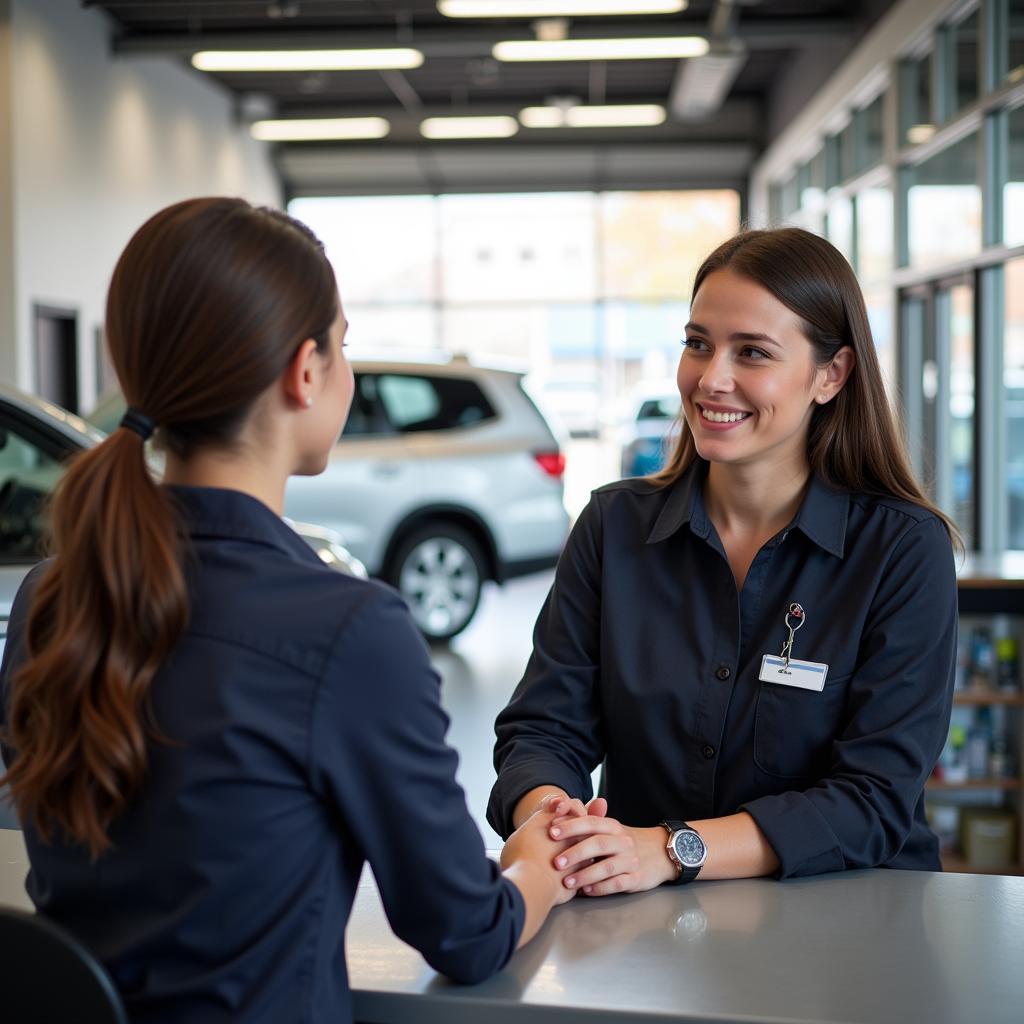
<point>686,874</point>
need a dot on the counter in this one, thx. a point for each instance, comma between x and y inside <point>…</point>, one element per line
<point>864,947</point>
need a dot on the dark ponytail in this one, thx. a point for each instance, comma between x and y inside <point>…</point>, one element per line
<point>208,303</point>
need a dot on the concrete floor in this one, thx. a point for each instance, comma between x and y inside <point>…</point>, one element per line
<point>479,671</point>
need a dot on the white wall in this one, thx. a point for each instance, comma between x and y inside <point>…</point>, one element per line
<point>99,144</point>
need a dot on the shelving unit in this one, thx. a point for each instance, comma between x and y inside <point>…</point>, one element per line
<point>988,587</point>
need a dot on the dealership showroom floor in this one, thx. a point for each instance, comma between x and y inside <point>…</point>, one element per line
<point>479,671</point>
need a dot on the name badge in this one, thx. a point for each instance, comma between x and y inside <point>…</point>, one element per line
<point>805,675</point>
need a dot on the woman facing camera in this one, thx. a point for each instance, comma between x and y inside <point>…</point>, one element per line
<point>757,644</point>
<point>208,731</point>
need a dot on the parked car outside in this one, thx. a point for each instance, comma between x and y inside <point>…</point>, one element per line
<point>648,430</point>
<point>446,475</point>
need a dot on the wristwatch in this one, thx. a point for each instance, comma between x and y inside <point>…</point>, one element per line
<point>686,850</point>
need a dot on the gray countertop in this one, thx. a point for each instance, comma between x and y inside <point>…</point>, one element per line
<point>857,947</point>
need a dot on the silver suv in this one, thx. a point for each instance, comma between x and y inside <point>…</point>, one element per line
<point>446,475</point>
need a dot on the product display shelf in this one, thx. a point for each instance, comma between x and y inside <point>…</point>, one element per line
<point>991,595</point>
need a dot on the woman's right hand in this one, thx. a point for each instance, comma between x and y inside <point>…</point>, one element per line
<point>530,849</point>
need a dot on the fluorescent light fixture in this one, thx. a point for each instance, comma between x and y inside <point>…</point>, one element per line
<point>468,127</point>
<point>555,8</point>
<point>306,60</point>
<point>919,133</point>
<point>622,115</point>
<point>311,129</point>
<point>663,47</point>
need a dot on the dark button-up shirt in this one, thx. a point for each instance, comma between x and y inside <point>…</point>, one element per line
<point>307,738</point>
<point>647,658</point>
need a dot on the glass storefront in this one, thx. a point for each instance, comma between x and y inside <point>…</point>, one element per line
<point>944,206</point>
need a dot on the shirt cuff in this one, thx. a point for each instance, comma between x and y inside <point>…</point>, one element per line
<point>801,838</point>
<point>517,780</point>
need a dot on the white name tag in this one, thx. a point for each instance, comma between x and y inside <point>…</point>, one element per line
<point>807,675</point>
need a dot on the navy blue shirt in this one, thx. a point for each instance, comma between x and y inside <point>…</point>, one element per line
<point>307,738</point>
<point>646,660</point>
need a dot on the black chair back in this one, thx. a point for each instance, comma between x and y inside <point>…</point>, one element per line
<point>48,977</point>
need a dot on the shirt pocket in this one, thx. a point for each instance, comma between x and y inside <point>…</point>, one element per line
<point>794,729</point>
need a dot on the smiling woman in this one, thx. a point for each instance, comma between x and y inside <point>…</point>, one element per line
<point>668,651</point>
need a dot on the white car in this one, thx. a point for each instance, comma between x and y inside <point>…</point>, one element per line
<point>445,476</point>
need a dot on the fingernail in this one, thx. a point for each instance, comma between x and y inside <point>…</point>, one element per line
<point>587,889</point>
<point>561,862</point>
<point>570,882</point>
<point>556,832</point>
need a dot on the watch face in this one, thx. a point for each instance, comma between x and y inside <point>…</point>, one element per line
<point>690,849</point>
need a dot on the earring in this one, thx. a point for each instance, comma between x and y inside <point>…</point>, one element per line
<point>308,402</point>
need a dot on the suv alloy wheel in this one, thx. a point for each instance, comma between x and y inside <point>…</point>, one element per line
<point>439,570</point>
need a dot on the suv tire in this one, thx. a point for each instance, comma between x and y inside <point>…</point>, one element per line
<point>439,570</point>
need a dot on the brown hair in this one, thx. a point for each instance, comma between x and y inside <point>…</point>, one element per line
<point>854,442</point>
<point>207,305</point>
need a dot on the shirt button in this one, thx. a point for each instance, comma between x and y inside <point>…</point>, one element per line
<point>708,751</point>
<point>723,672</point>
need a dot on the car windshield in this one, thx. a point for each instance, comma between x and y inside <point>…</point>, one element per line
<point>665,407</point>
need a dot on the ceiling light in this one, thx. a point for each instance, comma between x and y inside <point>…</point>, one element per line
<point>623,115</point>
<point>919,133</point>
<point>468,127</point>
<point>666,47</point>
<point>555,8</point>
<point>306,60</point>
<point>304,130</point>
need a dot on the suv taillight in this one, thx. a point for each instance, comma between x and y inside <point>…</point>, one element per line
<point>553,463</point>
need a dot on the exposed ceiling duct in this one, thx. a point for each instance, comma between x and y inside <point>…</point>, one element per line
<point>702,83</point>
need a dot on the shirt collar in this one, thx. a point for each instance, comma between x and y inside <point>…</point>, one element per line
<point>219,512</point>
<point>821,517</point>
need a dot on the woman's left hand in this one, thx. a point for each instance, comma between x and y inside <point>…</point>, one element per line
<point>604,856</point>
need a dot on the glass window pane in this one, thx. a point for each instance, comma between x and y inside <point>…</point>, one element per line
<point>881,316</point>
<point>382,248</point>
<point>871,135</point>
<point>497,248</point>
<point>961,406</point>
<point>847,162</point>
<point>1013,190</point>
<point>372,328</point>
<point>653,242</point>
<point>1015,39</point>
<point>874,233</point>
<point>964,58</point>
<point>839,225</point>
<point>916,123</point>
<point>1013,382</point>
<point>29,476</point>
<point>944,206</point>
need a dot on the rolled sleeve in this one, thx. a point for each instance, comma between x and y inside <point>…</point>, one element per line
<point>897,717</point>
<point>378,752</point>
<point>551,732</point>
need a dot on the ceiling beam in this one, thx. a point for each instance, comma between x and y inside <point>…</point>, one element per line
<point>756,34</point>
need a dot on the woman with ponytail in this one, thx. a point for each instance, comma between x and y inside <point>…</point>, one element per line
<point>207,731</point>
<point>757,644</point>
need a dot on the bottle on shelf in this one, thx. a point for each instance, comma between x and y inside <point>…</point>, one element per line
<point>981,674</point>
<point>1000,754</point>
<point>979,744</point>
<point>1007,665</point>
<point>953,763</point>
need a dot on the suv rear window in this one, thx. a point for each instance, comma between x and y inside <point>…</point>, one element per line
<point>402,403</point>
